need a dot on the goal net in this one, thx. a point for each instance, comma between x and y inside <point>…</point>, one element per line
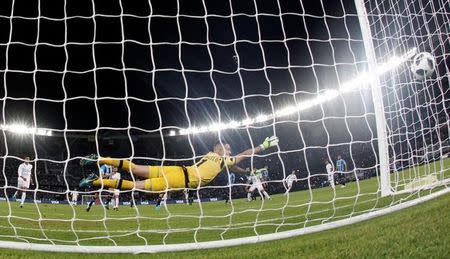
<point>415,108</point>
<point>163,83</point>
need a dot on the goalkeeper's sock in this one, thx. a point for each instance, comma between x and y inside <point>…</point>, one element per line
<point>113,183</point>
<point>119,163</point>
<point>249,196</point>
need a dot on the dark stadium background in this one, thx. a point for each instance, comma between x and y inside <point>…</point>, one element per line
<point>117,90</point>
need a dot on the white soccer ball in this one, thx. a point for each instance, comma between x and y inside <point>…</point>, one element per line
<point>423,65</point>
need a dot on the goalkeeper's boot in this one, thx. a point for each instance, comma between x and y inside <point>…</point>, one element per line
<point>89,160</point>
<point>87,182</point>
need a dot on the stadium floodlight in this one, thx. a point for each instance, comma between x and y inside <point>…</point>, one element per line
<point>395,61</point>
<point>305,105</point>
<point>41,132</point>
<point>20,129</point>
<point>365,78</point>
<point>247,122</point>
<point>262,118</point>
<point>216,127</point>
<point>326,96</point>
<point>358,83</point>
<point>202,129</point>
<point>233,124</point>
<point>195,130</point>
<point>23,129</point>
<point>286,111</point>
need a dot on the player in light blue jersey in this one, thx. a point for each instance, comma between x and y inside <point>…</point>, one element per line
<point>341,168</point>
<point>106,171</point>
<point>264,177</point>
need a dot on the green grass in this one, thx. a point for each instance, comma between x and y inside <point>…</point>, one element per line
<point>39,223</point>
<point>417,232</point>
<point>439,169</point>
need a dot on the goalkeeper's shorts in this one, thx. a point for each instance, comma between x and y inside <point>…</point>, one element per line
<point>167,177</point>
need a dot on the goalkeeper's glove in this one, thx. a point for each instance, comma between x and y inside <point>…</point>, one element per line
<point>269,142</point>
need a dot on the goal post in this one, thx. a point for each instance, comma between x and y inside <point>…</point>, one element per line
<point>400,27</point>
<point>377,95</point>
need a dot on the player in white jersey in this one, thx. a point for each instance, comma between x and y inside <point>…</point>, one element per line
<point>24,179</point>
<point>290,179</point>
<point>116,192</point>
<point>255,178</point>
<point>162,198</point>
<point>74,195</point>
<point>330,173</point>
<point>186,195</point>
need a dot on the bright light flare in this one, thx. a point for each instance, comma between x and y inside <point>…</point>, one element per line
<point>247,122</point>
<point>359,82</point>
<point>262,118</point>
<point>286,111</point>
<point>22,129</point>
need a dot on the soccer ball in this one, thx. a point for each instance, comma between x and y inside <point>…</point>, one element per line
<point>423,65</point>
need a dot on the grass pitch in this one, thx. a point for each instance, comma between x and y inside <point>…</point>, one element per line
<point>142,225</point>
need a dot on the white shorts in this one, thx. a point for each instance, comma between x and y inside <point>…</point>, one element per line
<point>21,183</point>
<point>256,186</point>
<point>331,178</point>
<point>116,192</point>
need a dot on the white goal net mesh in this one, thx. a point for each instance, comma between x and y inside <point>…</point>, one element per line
<point>416,108</point>
<point>159,83</point>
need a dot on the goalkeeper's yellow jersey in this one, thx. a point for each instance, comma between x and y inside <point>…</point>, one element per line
<point>205,170</point>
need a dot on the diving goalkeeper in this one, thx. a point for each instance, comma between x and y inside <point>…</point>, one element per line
<point>160,178</point>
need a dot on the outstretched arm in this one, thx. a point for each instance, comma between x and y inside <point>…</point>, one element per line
<point>268,142</point>
<point>247,153</point>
